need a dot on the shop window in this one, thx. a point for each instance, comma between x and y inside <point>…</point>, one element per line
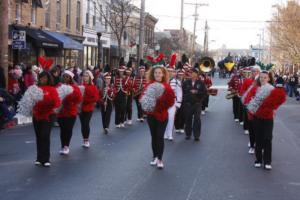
<point>58,14</point>
<point>33,12</point>
<point>47,13</point>
<point>18,11</point>
<point>78,13</point>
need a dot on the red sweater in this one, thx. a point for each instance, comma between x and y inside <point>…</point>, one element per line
<point>70,103</point>
<point>250,95</point>
<point>245,85</point>
<point>165,101</point>
<point>276,98</point>
<point>91,96</point>
<point>44,108</point>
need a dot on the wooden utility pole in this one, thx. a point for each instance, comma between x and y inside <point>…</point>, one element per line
<point>142,31</point>
<point>4,36</point>
<point>196,15</point>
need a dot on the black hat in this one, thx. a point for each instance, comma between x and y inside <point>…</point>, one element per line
<point>107,68</point>
<point>184,59</point>
<point>279,82</point>
<point>142,63</point>
<point>122,62</point>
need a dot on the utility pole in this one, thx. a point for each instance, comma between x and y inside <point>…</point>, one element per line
<point>142,31</point>
<point>181,16</point>
<point>196,15</point>
<point>205,45</point>
<point>4,37</point>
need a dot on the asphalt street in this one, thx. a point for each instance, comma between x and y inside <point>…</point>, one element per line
<point>116,167</point>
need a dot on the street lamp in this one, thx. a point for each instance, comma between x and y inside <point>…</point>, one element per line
<point>100,30</point>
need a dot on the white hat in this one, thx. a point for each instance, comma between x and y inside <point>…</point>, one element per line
<point>68,72</point>
<point>90,74</point>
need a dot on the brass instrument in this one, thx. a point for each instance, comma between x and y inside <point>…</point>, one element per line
<point>231,94</point>
<point>206,64</point>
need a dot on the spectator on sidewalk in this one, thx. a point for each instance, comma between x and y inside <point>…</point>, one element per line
<point>28,77</point>
<point>7,111</point>
<point>2,78</point>
<point>293,83</point>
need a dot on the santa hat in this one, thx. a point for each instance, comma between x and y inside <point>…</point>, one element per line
<point>90,74</point>
<point>68,72</point>
<point>158,61</point>
<point>107,75</point>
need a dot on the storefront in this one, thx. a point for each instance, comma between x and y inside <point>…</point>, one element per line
<point>72,50</point>
<point>38,43</point>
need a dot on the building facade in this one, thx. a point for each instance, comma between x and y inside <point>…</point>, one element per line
<point>53,29</point>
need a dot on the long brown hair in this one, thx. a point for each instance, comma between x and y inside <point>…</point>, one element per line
<point>150,74</point>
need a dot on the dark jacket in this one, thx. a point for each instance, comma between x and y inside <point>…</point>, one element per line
<point>188,96</point>
<point>2,78</point>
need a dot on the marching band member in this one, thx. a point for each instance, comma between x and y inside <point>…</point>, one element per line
<point>177,88</point>
<point>179,117</point>
<point>90,97</point>
<point>139,84</point>
<point>121,86</point>
<point>107,94</point>
<point>68,113</point>
<point>233,87</point>
<point>156,99</point>
<point>129,80</point>
<point>208,83</point>
<point>194,91</point>
<point>246,98</point>
<point>245,82</point>
<point>40,101</point>
<point>262,108</point>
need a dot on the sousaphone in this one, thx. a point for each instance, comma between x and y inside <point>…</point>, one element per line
<point>206,64</point>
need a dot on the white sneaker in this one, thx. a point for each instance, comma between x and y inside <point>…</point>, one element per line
<point>236,120</point>
<point>268,167</point>
<point>160,164</point>
<point>154,162</point>
<point>171,138</point>
<point>177,131</point>
<point>203,112</point>
<point>86,144</point>
<point>37,163</point>
<point>118,126</point>
<point>249,145</point>
<point>241,123</point>
<point>246,132</point>
<point>65,151</point>
<point>182,131</point>
<point>122,125</point>
<point>129,122</point>
<point>47,164</point>
<point>138,119</point>
<point>257,165</point>
<point>206,109</point>
<point>251,151</point>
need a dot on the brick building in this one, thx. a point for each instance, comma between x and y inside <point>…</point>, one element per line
<point>53,29</point>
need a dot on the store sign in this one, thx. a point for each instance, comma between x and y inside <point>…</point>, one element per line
<point>18,39</point>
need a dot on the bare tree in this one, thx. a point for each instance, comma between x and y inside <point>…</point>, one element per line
<point>116,14</point>
<point>285,33</point>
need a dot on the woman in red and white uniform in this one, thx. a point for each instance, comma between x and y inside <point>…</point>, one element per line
<point>262,107</point>
<point>68,113</point>
<point>40,101</point>
<point>156,99</point>
<point>90,97</point>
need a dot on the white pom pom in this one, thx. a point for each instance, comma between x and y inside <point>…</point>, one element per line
<point>152,93</point>
<point>33,95</point>
<point>63,91</point>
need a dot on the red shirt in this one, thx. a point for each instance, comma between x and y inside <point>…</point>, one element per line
<point>245,85</point>
<point>70,103</point>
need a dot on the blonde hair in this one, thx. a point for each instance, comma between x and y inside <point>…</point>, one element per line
<point>150,74</point>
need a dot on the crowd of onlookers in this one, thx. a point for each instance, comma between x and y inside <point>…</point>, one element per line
<point>292,86</point>
<point>20,77</point>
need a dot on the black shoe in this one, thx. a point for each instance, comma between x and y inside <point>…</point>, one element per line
<point>188,137</point>
<point>197,139</point>
<point>106,131</point>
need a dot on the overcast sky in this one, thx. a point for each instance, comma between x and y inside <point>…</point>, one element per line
<point>224,19</point>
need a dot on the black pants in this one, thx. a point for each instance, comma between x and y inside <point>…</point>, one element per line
<point>85,118</point>
<point>245,117</point>
<point>139,107</point>
<point>241,111</point>
<point>42,132</point>
<point>157,129</point>
<point>205,102</point>
<point>235,107</point>
<point>128,114</point>
<point>120,108</point>
<point>192,119</point>
<point>106,114</point>
<point>251,133</point>
<point>263,130</point>
<point>66,130</point>
<point>179,118</point>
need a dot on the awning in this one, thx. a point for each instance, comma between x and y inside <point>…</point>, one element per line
<point>41,39</point>
<point>68,43</point>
